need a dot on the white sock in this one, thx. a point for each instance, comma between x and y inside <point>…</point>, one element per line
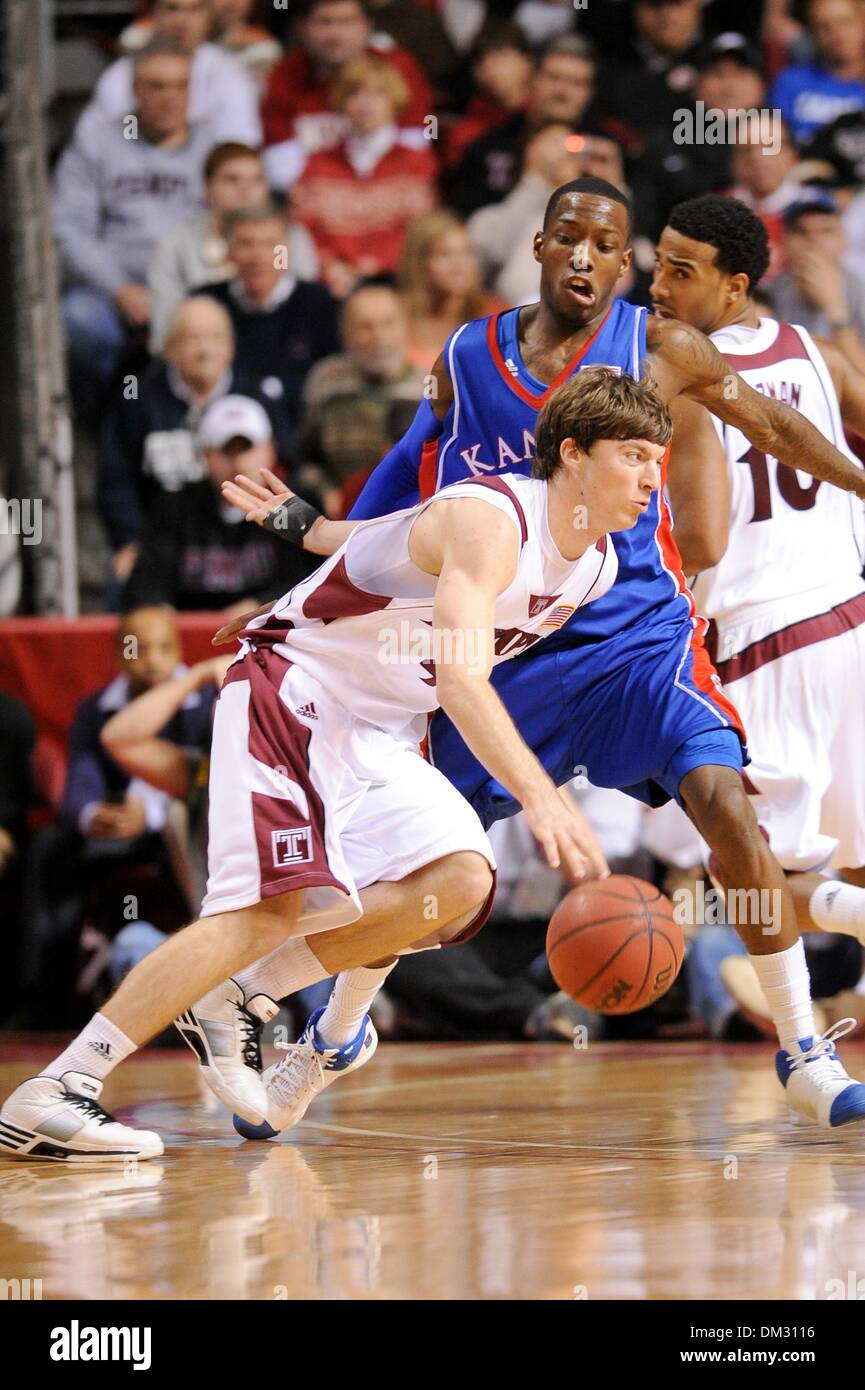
<point>839,907</point>
<point>787,986</point>
<point>290,967</point>
<point>96,1051</point>
<point>352,995</point>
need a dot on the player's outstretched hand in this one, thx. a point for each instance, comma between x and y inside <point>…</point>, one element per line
<point>591,845</point>
<point>566,838</point>
<point>256,500</point>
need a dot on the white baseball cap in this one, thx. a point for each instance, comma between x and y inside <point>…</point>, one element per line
<point>233,417</point>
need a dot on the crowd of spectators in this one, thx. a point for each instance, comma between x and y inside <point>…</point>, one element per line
<point>278,163</point>
<point>268,220</point>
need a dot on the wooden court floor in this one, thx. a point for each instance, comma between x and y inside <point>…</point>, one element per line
<point>654,1171</point>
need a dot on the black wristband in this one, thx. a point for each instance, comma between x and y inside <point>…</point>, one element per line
<point>292,520</point>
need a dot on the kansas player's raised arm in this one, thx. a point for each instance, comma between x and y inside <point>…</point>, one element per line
<point>395,483</point>
<point>684,361</point>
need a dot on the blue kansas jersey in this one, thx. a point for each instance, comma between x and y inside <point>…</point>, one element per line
<point>626,681</point>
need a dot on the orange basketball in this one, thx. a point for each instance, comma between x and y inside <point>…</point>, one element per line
<point>613,945</point>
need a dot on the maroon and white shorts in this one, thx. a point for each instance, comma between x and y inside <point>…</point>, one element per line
<point>305,796</point>
<point>806,736</point>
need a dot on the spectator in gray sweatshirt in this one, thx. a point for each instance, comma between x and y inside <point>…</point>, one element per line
<point>222,93</point>
<point>120,185</point>
<point>195,252</point>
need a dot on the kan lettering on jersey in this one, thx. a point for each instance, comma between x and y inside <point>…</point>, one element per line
<point>490,430</point>
<point>624,686</point>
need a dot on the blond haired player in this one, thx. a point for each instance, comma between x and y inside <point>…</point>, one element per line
<point>325,823</point>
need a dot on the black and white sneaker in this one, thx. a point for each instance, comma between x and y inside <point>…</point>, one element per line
<point>224,1032</point>
<point>61,1122</point>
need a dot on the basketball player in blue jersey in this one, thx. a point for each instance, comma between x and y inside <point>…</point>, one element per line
<point>625,690</point>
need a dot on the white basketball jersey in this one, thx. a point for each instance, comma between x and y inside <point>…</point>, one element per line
<point>362,624</point>
<point>796,544</point>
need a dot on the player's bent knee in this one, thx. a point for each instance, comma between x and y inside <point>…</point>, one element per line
<point>470,880</point>
<point>722,811</point>
<point>717,802</point>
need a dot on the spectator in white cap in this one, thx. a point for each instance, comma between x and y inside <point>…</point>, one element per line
<point>148,443</point>
<point>196,553</point>
<point>235,421</point>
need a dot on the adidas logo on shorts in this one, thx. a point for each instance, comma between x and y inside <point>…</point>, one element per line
<point>307,711</point>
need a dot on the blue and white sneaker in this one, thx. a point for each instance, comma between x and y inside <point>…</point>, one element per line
<point>818,1088</point>
<point>308,1068</point>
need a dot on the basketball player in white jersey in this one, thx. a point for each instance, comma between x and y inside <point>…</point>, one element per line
<point>781,559</point>
<point>325,823</point>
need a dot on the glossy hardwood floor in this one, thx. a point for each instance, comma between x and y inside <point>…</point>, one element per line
<point>458,1172</point>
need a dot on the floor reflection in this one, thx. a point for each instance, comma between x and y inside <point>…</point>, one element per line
<point>459,1172</point>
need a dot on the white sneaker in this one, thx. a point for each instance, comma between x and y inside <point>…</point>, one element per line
<point>50,1119</point>
<point>307,1069</point>
<point>818,1088</point>
<point>224,1032</point>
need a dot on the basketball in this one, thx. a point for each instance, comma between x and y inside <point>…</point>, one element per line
<point>613,945</point>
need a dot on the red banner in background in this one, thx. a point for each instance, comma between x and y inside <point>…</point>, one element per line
<point>50,664</point>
